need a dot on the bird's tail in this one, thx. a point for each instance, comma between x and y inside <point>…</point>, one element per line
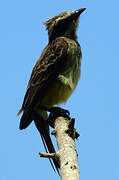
<point>42,127</point>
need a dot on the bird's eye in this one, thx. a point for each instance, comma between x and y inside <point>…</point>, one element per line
<point>55,23</point>
<point>74,22</point>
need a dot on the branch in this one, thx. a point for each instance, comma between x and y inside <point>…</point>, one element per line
<point>66,156</point>
<point>65,135</point>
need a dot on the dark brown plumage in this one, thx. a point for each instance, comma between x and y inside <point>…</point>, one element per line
<point>50,82</point>
<point>45,71</point>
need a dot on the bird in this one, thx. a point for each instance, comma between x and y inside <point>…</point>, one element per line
<point>55,74</point>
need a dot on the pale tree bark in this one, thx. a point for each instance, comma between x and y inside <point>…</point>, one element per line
<point>66,155</point>
<point>65,135</point>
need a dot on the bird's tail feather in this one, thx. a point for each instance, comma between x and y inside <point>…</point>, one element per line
<point>45,146</point>
<point>25,121</point>
<point>42,128</point>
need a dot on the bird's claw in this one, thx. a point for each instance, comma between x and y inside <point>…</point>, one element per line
<point>56,112</point>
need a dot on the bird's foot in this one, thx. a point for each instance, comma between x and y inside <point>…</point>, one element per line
<point>56,112</point>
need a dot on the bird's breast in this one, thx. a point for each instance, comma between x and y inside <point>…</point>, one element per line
<point>72,67</point>
<point>61,88</point>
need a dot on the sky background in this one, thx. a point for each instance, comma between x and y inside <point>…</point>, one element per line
<point>94,105</point>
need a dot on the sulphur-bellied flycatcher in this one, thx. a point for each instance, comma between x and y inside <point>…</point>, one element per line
<point>55,74</point>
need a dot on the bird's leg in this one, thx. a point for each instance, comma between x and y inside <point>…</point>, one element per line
<point>56,112</point>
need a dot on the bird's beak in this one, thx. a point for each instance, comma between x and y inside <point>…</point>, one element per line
<point>78,12</point>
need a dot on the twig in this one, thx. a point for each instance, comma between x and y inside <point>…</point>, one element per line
<point>47,155</point>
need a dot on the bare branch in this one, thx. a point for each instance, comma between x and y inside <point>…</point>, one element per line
<point>47,155</point>
<point>65,135</point>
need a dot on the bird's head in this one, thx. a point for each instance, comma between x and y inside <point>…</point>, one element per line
<point>64,24</point>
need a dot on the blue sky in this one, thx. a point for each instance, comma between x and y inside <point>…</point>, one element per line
<point>94,104</point>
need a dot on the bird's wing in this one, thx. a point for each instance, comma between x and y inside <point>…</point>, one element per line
<point>46,70</point>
